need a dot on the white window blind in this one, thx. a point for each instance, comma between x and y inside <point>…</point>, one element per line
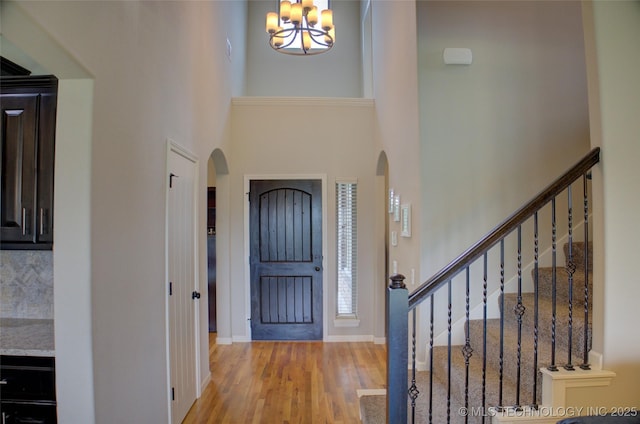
<point>347,247</point>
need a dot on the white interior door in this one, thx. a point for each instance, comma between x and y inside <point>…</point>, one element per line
<point>182,281</point>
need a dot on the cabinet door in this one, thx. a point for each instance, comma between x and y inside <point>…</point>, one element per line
<point>19,132</point>
<point>46,152</point>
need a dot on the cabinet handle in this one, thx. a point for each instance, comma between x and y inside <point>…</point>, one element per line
<point>24,221</point>
<point>41,221</point>
<point>4,382</point>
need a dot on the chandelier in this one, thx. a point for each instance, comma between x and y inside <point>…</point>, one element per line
<point>292,30</point>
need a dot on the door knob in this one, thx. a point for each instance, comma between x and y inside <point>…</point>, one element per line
<point>317,268</point>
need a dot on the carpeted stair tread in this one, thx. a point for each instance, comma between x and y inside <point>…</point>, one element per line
<point>545,284</point>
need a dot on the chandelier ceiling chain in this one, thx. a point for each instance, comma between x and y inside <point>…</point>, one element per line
<point>292,30</point>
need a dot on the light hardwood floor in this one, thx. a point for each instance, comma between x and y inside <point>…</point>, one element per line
<point>288,382</point>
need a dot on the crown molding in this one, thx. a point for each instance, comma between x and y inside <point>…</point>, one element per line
<point>302,101</point>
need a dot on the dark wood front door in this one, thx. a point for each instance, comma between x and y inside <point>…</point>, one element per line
<point>286,259</point>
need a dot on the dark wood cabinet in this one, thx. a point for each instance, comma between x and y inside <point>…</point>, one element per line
<point>28,390</point>
<point>27,161</point>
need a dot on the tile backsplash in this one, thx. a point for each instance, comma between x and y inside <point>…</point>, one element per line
<point>26,284</point>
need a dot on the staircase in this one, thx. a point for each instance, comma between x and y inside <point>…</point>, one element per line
<point>373,407</point>
<point>497,366</point>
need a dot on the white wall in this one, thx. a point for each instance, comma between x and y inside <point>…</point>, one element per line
<point>321,137</point>
<point>394,88</point>
<point>156,74</point>
<point>615,104</point>
<point>336,73</point>
<point>72,252</point>
<point>394,79</point>
<point>496,132</point>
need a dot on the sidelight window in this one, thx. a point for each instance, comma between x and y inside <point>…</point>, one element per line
<point>347,247</point>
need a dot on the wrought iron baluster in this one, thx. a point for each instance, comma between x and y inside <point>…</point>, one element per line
<point>484,337</point>
<point>571,269</point>
<point>449,310</point>
<point>431,360</point>
<point>519,311</point>
<point>535,309</point>
<point>501,362</point>
<point>413,389</point>
<point>467,351</point>
<point>554,229</point>
<point>585,359</point>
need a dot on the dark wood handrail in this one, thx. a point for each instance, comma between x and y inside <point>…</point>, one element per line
<point>503,229</point>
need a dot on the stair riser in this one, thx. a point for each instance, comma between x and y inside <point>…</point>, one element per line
<point>545,328</point>
<point>577,253</point>
<point>545,285</point>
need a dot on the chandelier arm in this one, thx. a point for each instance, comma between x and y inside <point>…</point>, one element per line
<point>319,33</point>
<point>287,34</point>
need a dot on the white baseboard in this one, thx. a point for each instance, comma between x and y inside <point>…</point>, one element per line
<point>328,339</point>
<point>205,382</point>
<point>349,338</point>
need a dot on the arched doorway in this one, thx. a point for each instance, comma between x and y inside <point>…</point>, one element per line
<point>217,168</point>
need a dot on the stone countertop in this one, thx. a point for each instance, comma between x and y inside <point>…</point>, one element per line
<point>26,337</point>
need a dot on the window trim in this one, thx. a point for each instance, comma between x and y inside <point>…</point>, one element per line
<point>347,318</point>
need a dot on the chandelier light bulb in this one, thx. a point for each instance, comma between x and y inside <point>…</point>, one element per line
<point>306,40</point>
<point>296,13</point>
<point>272,22</point>
<point>312,16</point>
<point>307,5</point>
<point>330,38</point>
<point>285,10</point>
<point>277,40</point>
<point>327,19</point>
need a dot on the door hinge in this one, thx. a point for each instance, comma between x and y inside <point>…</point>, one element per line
<point>195,295</point>
<point>170,288</point>
<point>173,393</point>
